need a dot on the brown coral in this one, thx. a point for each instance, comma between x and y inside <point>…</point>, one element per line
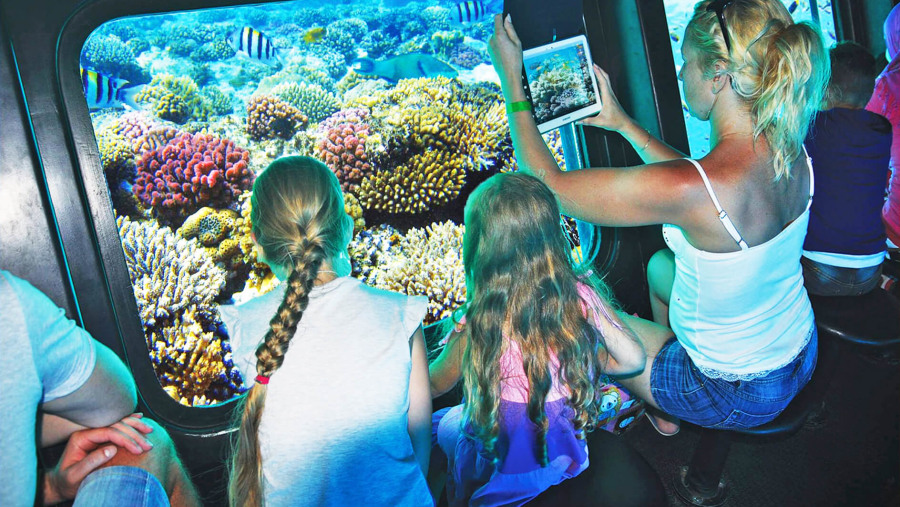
<point>427,179</point>
<point>269,117</point>
<point>348,147</point>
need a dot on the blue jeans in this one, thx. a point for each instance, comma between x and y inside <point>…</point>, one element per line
<point>827,280</point>
<point>682,390</point>
<point>121,486</point>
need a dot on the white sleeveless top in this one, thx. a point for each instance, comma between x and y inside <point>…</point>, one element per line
<point>334,428</point>
<point>740,315</point>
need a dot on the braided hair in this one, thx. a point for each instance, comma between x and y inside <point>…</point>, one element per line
<point>299,222</point>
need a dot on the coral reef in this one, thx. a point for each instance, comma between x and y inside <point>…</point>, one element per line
<point>311,99</point>
<point>216,102</point>
<point>169,274</point>
<point>427,262</point>
<point>344,35</point>
<point>117,160</point>
<point>190,172</point>
<point>558,89</point>
<point>270,117</point>
<point>352,207</point>
<point>351,80</point>
<point>111,56</point>
<point>443,43</point>
<point>465,56</point>
<point>193,365</point>
<point>213,51</point>
<point>175,285</point>
<point>301,70</point>
<point>379,45</point>
<point>214,229</point>
<point>348,146</point>
<point>171,98</point>
<point>330,59</point>
<point>371,248</point>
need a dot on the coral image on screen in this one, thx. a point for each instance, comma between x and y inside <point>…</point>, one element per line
<point>560,82</point>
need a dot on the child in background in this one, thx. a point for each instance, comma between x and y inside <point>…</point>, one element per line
<point>342,418</point>
<point>850,149</point>
<point>534,339</point>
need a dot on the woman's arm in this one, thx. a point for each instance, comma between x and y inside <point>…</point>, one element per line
<point>618,197</point>
<point>419,423</point>
<point>445,371</point>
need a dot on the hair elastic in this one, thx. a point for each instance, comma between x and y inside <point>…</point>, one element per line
<point>262,379</point>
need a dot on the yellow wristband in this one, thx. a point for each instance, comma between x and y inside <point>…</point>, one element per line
<point>519,105</point>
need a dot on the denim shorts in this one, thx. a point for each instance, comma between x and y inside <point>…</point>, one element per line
<point>681,390</point>
<point>118,486</point>
<point>827,280</point>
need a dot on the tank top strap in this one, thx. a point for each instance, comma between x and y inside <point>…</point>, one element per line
<point>723,216</point>
<point>812,178</point>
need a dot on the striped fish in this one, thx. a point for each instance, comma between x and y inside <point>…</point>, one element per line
<point>102,91</point>
<point>465,13</point>
<point>251,43</point>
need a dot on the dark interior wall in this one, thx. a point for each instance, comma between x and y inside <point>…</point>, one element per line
<point>862,22</point>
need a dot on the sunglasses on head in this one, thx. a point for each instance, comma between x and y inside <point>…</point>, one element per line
<point>718,6</point>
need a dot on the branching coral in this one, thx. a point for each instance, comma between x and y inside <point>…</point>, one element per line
<point>117,160</point>
<point>193,365</point>
<point>269,117</point>
<point>443,43</point>
<point>169,274</point>
<point>217,103</point>
<point>348,146</point>
<point>173,98</point>
<point>189,172</point>
<point>175,285</point>
<point>428,263</point>
<point>311,99</point>
<point>371,248</point>
<point>430,178</point>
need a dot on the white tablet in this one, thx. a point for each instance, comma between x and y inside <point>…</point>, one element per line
<point>561,83</point>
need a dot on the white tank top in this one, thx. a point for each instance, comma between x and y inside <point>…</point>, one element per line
<point>740,315</point>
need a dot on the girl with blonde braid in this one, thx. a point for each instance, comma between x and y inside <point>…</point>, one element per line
<point>730,285</point>
<point>339,411</point>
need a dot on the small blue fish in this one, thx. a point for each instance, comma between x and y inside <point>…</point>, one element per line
<point>102,91</point>
<point>253,44</point>
<point>465,13</point>
<point>793,6</point>
<point>404,67</point>
<point>674,37</point>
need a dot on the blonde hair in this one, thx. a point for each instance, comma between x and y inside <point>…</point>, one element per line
<point>779,67</point>
<point>299,222</point>
<point>522,287</point>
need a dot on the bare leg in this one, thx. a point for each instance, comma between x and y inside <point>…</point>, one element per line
<point>653,336</point>
<point>163,463</point>
<point>660,277</point>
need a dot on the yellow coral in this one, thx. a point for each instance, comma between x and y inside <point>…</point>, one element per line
<point>352,208</point>
<point>188,360</point>
<point>428,263</point>
<point>173,98</point>
<point>427,179</point>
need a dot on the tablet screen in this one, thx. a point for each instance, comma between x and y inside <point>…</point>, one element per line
<point>561,82</point>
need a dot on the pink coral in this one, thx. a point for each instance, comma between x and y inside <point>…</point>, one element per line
<point>270,117</point>
<point>345,145</point>
<point>190,172</point>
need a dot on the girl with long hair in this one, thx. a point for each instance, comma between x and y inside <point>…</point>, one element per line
<point>536,335</point>
<point>730,284</point>
<point>339,411</point>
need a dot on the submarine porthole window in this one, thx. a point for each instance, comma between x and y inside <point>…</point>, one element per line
<point>678,13</point>
<point>399,100</point>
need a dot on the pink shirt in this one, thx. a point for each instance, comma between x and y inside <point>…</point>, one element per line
<point>514,383</point>
<point>886,102</point>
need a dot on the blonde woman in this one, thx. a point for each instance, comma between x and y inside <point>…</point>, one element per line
<point>340,410</point>
<point>731,286</point>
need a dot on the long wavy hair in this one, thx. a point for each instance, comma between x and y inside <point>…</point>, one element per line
<point>299,222</point>
<point>521,286</point>
<point>780,68</point>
